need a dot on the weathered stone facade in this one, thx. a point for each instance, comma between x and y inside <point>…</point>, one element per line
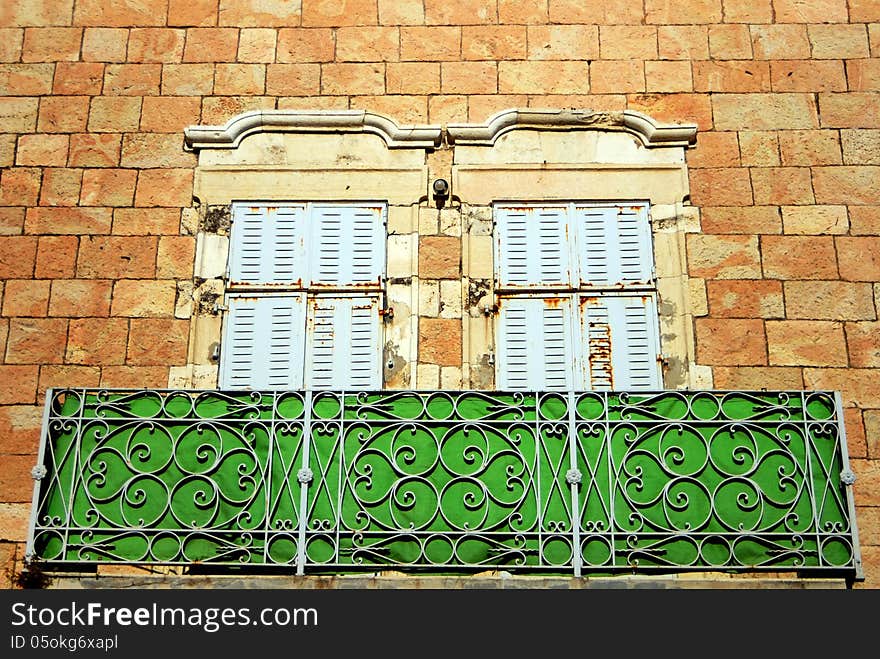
<point>113,232</point>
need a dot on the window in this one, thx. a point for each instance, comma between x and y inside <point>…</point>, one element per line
<point>304,285</point>
<point>577,297</point>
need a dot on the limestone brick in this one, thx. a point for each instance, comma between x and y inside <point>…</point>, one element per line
<point>859,257</point>
<point>814,220</point>
<point>70,220</point>
<point>731,342</point>
<point>829,300</point>
<point>863,344</point>
<point>806,343</point>
<point>259,13</point>
<point>723,256</point>
<point>257,45</point>
<point>193,13</point>
<point>36,341</point>
<point>143,298</point>
<point>440,341</point>
<point>56,257</point>
<point>80,297</point>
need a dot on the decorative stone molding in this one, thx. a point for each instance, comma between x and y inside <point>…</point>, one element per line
<point>649,132</point>
<point>230,135</point>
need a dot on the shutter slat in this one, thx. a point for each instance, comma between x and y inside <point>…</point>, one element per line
<point>532,246</point>
<point>263,343</point>
<point>535,343</point>
<point>350,245</point>
<point>614,245</point>
<point>267,245</point>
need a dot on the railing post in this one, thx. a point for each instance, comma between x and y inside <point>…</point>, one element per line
<point>304,477</point>
<point>573,478</point>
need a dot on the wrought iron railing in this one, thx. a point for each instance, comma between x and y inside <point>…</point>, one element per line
<point>552,482</point>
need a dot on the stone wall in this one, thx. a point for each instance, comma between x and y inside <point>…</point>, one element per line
<point>98,222</point>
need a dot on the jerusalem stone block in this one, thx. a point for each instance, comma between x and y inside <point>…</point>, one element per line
<point>11,221</point>
<point>164,187</point>
<point>130,377</point>
<point>860,147</point>
<point>80,298</point>
<point>27,13</point>
<point>20,186</point>
<point>821,11</point>
<point>668,76</point>
<point>260,13</point>
<point>11,39</point>
<point>73,220</point>
<point>847,185</point>
<point>753,378</point>
<point>340,13</point>
<point>298,45</point>
<point>829,300</point>
<point>36,341</point>
<point>722,186</point>
<point>439,257</point>
<point>808,76</point>
<point>859,258</point>
<point>747,298</point>
<point>17,256</point>
<point>108,187</point>
<point>211,44</point>
<point>863,11</point>
<point>219,109</point>
<point>809,147</point>
<point>610,77</point>
<point>61,187</point>
<point>872,433</point>
<point>759,148</point>
<point>558,42</point>
<point>349,79</point>
<point>494,42</point>
<point>443,108</point>
<point>98,12</point>
<point>68,375</point>
<point>257,45</point>
<point>729,42</point>
<point>104,44</point>
<point>460,12</point>
<point>143,150</point>
<point>162,114</point>
<point>402,12</point>
<point>723,256</point>
<point>427,376</point>
<point>429,297</point>
<point>51,44</point>
<point>859,387</point>
<point>440,341</point>
<point>20,429</point>
<point>14,520</point>
<point>863,342</point>
<point>731,342</point>
<point>545,77</point>
<point>302,79</point>
<point>114,257</point>
<point>56,257</point>
<point>856,440</point>
<point>675,108</point>
<point>874,39</point>
<point>850,110</point>
<point>779,41</point>
<point>576,11</point>
<point>764,111</point>
<point>814,220</point>
<point>187,79</point>
<point>94,150</point>
<point>97,341</point>
<point>239,79</point>
<point>114,114</point>
<point>625,42</point>
<point>838,41</point>
<point>367,44</point>
<point>806,343</point>
<point>157,341</point>
<point>469,77</point>
<point>18,114</point>
<point>193,13</point>
<point>680,42</point>
<point>151,45</point>
<point>63,114</point>
<point>132,79</point>
<point>78,78</point>
<point>16,482</point>
<point>18,384</point>
<point>176,257</point>
<point>782,185</point>
<point>714,150</point>
<point>143,298</point>
<point>26,79</point>
<point>42,150</point>
<point>864,220</point>
<point>25,298</point>
<point>697,11</point>
<point>412,77</point>
<point>430,44</point>
<point>731,76</point>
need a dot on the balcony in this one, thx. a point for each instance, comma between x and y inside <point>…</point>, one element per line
<point>553,483</point>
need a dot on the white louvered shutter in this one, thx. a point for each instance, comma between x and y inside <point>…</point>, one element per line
<point>613,245</point>
<point>344,347</point>
<point>267,245</point>
<point>620,334</point>
<point>347,245</point>
<point>263,343</point>
<point>535,344</point>
<point>532,246</point>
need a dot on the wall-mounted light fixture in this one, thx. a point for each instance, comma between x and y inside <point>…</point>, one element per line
<point>441,191</point>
